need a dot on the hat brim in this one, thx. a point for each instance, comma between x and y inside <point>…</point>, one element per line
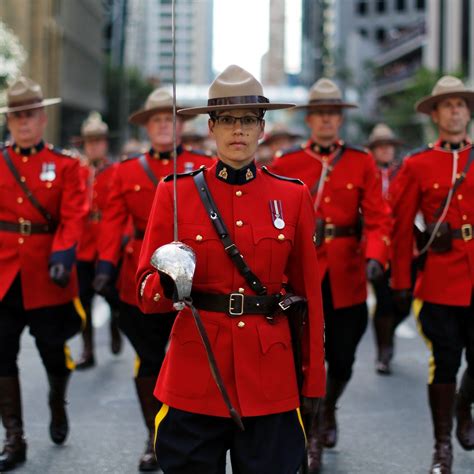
<point>384,141</point>
<point>332,105</point>
<point>427,104</point>
<point>44,103</point>
<point>276,136</point>
<point>217,108</point>
<point>141,116</point>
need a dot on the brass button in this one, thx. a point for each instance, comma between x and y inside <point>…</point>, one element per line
<point>238,193</point>
<point>241,324</point>
<point>137,187</point>
<point>21,240</point>
<point>21,220</point>
<point>241,290</point>
<point>156,297</point>
<point>49,184</point>
<point>239,223</point>
<point>314,239</point>
<point>459,197</point>
<point>281,237</point>
<point>464,217</point>
<point>22,179</point>
<point>349,186</point>
<point>25,159</point>
<point>199,237</point>
<point>19,200</point>
<point>328,219</point>
<point>327,199</point>
<point>436,185</point>
<point>165,162</point>
<point>129,249</point>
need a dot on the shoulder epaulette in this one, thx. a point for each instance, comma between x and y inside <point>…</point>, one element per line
<point>288,151</point>
<point>196,151</point>
<point>419,150</point>
<point>283,178</point>
<point>183,175</point>
<point>62,151</point>
<point>133,156</point>
<point>348,146</point>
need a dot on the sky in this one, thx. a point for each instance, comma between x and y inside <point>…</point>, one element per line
<point>241,29</point>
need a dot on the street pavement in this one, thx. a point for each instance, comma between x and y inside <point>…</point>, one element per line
<point>384,421</point>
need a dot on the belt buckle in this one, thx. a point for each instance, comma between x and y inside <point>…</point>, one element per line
<point>282,304</point>
<point>239,298</point>
<point>466,232</point>
<point>329,232</point>
<point>25,228</point>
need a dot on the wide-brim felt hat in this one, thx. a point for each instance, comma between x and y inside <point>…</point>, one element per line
<point>326,93</point>
<point>160,100</point>
<point>279,131</point>
<point>383,134</point>
<point>447,86</point>
<point>25,94</point>
<point>235,88</point>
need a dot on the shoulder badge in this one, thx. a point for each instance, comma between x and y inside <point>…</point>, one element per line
<point>419,150</point>
<point>283,178</point>
<point>133,156</point>
<point>183,175</point>
<point>62,152</point>
<point>288,151</point>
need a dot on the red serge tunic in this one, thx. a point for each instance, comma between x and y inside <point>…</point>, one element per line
<point>54,179</point>
<point>254,356</point>
<point>131,196</point>
<point>422,185</point>
<point>352,186</point>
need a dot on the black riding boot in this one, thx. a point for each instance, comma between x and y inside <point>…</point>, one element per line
<point>87,359</point>
<point>334,390</point>
<point>465,424</point>
<point>59,426</point>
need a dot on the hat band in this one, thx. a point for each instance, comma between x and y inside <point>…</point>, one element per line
<point>236,100</point>
<point>325,101</point>
<point>21,103</point>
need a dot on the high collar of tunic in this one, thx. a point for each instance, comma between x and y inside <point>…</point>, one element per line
<point>325,150</point>
<point>230,175</point>
<point>165,155</point>
<point>28,151</point>
<point>450,146</point>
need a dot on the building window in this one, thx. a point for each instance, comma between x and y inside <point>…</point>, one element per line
<point>380,6</point>
<point>362,7</point>
<point>400,5</point>
<point>380,35</point>
<point>420,4</point>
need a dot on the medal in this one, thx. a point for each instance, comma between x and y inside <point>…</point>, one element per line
<point>48,172</point>
<point>276,210</point>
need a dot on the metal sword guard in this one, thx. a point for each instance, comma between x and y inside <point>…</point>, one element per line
<point>178,261</point>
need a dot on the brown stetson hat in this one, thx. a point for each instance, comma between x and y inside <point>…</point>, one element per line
<point>447,86</point>
<point>94,127</point>
<point>160,100</point>
<point>382,134</point>
<point>25,94</point>
<point>325,93</point>
<point>279,130</point>
<point>235,88</point>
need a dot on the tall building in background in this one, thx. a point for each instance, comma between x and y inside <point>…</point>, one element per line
<point>63,41</point>
<point>273,62</point>
<point>149,40</point>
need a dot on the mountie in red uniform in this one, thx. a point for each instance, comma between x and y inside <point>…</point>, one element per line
<point>350,185</point>
<point>132,194</point>
<point>54,179</point>
<point>254,356</point>
<point>99,183</point>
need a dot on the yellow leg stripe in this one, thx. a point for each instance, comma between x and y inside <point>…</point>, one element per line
<point>136,366</point>
<point>68,358</point>
<point>81,312</point>
<point>300,419</point>
<point>160,416</point>
<point>417,305</point>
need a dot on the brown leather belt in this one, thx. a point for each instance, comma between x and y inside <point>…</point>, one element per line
<point>465,232</point>
<point>27,228</point>
<point>139,234</point>
<point>237,304</point>
<point>325,232</point>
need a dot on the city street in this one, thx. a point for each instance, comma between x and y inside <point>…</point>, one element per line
<point>384,421</point>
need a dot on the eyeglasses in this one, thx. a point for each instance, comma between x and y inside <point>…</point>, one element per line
<point>229,121</point>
